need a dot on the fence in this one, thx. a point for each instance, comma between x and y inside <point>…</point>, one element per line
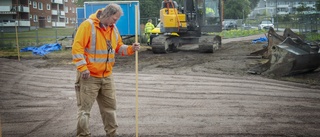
<point>50,31</point>
<point>303,23</point>
<point>34,33</point>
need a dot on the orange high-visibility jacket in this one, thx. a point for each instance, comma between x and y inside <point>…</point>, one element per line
<point>95,46</point>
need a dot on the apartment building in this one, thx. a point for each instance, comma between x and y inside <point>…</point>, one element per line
<point>32,14</point>
<point>282,7</point>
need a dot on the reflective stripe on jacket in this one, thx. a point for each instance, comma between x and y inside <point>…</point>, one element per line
<point>95,46</point>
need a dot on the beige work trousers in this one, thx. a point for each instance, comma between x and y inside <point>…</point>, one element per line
<point>102,90</point>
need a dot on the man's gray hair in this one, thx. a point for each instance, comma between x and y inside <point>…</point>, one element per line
<point>110,10</point>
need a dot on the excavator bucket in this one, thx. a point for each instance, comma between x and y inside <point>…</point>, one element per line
<point>288,54</point>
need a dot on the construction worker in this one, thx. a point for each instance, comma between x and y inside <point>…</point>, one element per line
<point>96,42</point>
<point>209,12</point>
<point>147,30</point>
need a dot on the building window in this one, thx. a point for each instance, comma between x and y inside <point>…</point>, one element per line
<point>30,16</point>
<point>271,4</point>
<point>72,9</point>
<point>34,4</point>
<point>48,18</point>
<point>72,1</point>
<point>65,0</point>
<point>30,2</point>
<point>67,20</point>
<point>66,9</point>
<point>35,18</point>
<point>40,6</point>
<point>48,6</point>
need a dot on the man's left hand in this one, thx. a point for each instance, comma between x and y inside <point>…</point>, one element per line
<point>136,46</point>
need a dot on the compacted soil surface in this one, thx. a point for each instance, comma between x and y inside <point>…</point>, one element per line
<point>187,94</point>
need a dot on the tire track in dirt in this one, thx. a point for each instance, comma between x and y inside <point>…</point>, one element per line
<point>218,105</point>
<point>31,98</point>
<point>40,102</point>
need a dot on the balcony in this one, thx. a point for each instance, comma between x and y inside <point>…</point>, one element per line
<point>310,5</point>
<point>283,12</point>
<point>11,23</point>
<point>5,8</point>
<point>22,8</point>
<point>54,12</point>
<point>57,1</point>
<point>62,13</point>
<point>24,23</point>
<point>8,23</point>
<point>296,5</point>
<point>58,24</point>
<point>283,6</point>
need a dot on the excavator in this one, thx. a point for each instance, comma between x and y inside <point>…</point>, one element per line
<point>190,22</point>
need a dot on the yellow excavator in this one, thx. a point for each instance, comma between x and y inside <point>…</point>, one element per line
<point>190,22</point>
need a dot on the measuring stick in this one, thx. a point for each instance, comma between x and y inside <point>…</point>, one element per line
<point>136,54</point>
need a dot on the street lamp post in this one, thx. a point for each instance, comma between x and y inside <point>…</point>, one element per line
<point>277,15</point>
<point>266,6</point>
<point>242,16</point>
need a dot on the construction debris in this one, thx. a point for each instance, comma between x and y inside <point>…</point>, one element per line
<point>288,54</point>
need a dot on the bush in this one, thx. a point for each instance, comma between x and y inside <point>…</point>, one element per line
<point>240,33</point>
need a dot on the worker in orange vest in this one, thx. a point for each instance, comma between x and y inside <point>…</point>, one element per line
<point>95,45</point>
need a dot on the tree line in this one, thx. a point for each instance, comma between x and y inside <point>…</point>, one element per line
<point>233,9</point>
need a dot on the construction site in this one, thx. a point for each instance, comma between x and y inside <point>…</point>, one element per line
<point>185,82</point>
<point>185,93</point>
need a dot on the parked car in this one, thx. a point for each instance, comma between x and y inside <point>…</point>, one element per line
<point>229,24</point>
<point>265,24</point>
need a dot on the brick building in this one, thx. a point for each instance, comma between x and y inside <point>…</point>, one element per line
<point>32,14</point>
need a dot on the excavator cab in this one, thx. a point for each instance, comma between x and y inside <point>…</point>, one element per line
<point>193,21</point>
<point>209,15</point>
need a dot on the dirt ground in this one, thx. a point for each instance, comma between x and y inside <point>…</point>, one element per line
<point>184,94</point>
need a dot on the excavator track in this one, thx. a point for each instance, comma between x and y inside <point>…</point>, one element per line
<point>159,44</point>
<point>168,43</point>
<point>209,43</point>
<point>164,44</point>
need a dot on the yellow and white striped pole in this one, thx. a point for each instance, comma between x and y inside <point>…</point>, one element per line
<point>17,41</point>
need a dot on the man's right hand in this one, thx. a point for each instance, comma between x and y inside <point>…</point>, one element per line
<point>85,74</point>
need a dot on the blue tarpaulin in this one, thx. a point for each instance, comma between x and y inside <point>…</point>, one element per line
<point>42,50</point>
<point>261,39</point>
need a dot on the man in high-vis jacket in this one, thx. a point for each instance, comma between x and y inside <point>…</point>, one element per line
<point>147,30</point>
<point>96,42</point>
<point>209,12</point>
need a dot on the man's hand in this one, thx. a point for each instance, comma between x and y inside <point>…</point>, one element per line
<point>136,46</point>
<point>85,74</point>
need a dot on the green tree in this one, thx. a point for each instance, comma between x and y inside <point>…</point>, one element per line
<point>302,7</point>
<point>253,3</point>
<point>235,9</point>
<point>318,5</point>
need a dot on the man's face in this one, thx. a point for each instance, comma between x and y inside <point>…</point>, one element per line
<point>111,20</point>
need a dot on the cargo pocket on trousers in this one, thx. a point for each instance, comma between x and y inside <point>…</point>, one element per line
<point>77,89</point>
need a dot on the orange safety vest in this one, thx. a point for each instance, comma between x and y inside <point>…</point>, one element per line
<point>94,47</point>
